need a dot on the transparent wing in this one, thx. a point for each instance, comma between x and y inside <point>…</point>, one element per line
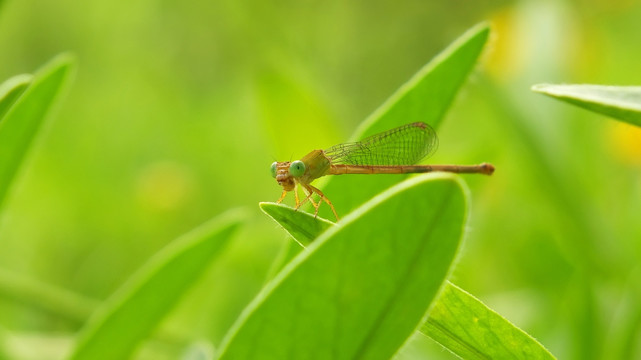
<point>404,145</point>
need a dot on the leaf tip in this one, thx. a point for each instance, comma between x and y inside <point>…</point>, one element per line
<point>540,88</point>
<point>64,62</point>
<point>266,206</point>
<point>479,31</point>
<point>66,58</point>
<point>483,27</point>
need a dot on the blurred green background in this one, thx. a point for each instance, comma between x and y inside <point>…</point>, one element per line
<point>178,109</point>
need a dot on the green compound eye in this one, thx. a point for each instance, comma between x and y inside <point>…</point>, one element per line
<point>273,169</point>
<point>297,168</point>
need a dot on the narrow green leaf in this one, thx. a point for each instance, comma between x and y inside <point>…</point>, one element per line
<point>362,287</point>
<point>458,321</point>
<point>425,97</point>
<point>60,302</point>
<point>10,90</point>
<point>466,327</point>
<point>22,121</point>
<point>302,226</point>
<point>619,102</point>
<point>430,92</point>
<point>130,315</point>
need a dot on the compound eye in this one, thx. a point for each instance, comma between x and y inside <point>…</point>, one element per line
<point>273,169</point>
<point>297,168</point>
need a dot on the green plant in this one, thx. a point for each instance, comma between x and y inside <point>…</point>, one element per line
<point>117,326</point>
<point>356,289</point>
<point>381,260</point>
<point>24,104</point>
<point>130,315</point>
<point>456,320</point>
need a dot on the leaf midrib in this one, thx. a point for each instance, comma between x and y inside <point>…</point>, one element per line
<point>469,347</point>
<point>383,313</point>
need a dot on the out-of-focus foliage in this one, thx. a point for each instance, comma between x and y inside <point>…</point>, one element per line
<point>178,109</point>
<point>134,311</point>
<point>10,90</point>
<point>27,105</point>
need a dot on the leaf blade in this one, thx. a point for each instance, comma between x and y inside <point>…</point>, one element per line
<point>456,331</point>
<point>152,291</point>
<point>24,118</point>
<point>348,296</point>
<point>430,92</point>
<point>45,297</point>
<point>302,226</point>
<point>425,97</point>
<point>468,328</point>
<point>10,91</point>
<point>619,102</point>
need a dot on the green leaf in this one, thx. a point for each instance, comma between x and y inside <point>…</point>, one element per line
<point>425,97</point>
<point>430,92</point>
<point>130,315</point>
<point>362,287</point>
<point>619,102</point>
<point>23,120</point>
<point>465,326</point>
<point>302,226</point>
<point>43,296</point>
<point>10,90</point>
<point>458,321</point>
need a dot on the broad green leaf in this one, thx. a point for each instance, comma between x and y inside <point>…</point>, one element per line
<point>465,326</point>
<point>458,321</point>
<point>619,102</point>
<point>425,97</point>
<point>362,287</point>
<point>133,312</point>
<point>302,226</point>
<point>10,90</point>
<point>23,120</point>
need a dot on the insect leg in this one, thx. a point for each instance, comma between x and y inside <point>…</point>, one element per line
<point>311,191</point>
<point>282,197</point>
<point>324,198</point>
<point>309,197</point>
